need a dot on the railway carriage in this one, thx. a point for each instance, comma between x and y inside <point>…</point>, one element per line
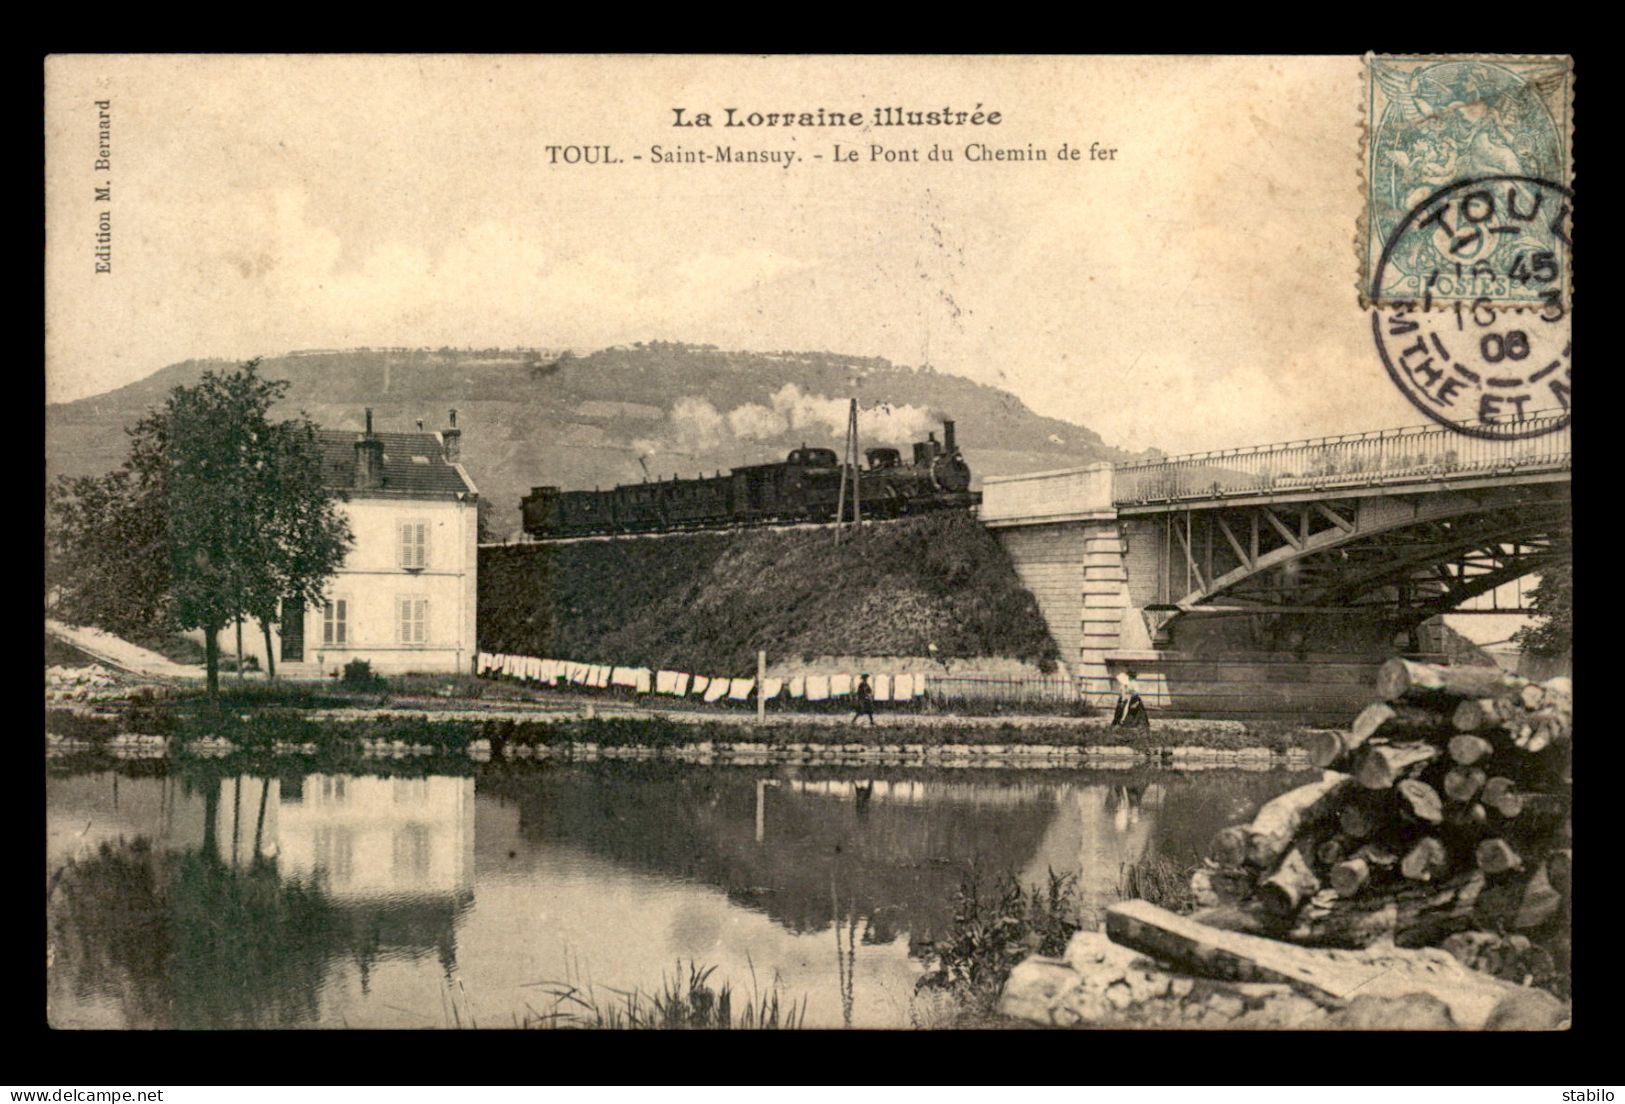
<point>805,487</point>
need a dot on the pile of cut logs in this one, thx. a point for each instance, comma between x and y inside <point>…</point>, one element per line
<point>1444,807</point>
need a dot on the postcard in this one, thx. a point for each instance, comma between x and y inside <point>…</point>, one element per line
<point>892,543</point>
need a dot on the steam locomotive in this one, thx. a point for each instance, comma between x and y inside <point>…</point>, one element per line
<point>805,487</point>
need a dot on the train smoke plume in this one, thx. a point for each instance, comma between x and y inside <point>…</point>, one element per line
<point>695,425</point>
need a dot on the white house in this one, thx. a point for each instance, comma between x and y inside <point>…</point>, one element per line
<point>404,599</point>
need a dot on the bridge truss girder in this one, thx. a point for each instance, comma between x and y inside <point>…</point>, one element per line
<point>1399,557</point>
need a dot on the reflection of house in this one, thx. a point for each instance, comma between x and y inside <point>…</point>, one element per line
<point>359,836</point>
<point>318,880</point>
<point>405,598</point>
<point>394,855</point>
<point>365,836</point>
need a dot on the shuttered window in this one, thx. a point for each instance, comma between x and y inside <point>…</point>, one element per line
<point>414,545</point>
<point>335,622</point>
<point>413,616</point>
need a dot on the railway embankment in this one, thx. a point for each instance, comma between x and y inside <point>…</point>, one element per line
<point>937,587</point>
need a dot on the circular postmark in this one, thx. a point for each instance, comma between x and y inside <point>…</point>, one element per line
<point>1480,339</point>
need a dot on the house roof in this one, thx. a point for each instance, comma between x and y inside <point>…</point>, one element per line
<point>415,466</point>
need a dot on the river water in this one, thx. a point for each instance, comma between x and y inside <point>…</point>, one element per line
<point>201,896</point>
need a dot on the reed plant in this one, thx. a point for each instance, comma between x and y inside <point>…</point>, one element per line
<point>683,1002</point>
<point>996,925</point>
<point>1157,879</point>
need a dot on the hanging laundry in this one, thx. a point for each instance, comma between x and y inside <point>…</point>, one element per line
<point>771,688</point>
<point>919,686</point>
<point>840,685</point>
<point>666,682</point>
<point>701,683</point>
<point>902,688</point>
<point>603,676</point>
<point>798,686</point>
<point>643,678</point>
<point>682,685</point>
<point>718,687</point>
<point>817,687</point>
<point>741,688</point>
<point>623,676</point>
<point>882,687</point>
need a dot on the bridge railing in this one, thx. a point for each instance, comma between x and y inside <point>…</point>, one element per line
<point>1349,460</point>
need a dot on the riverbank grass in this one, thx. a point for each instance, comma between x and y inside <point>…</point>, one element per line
<point>684,1002</point>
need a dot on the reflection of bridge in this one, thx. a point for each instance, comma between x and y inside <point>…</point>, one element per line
<point>1271,578</point>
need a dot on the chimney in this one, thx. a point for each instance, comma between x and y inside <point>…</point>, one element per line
<point>369,459</point>
<point>452,439</point>
<point>948,435</point>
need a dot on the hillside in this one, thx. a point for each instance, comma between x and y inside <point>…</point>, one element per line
<point>532,416</point>
<point>708,601</point>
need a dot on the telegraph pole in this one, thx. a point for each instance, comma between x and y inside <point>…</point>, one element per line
<point>849,462</point>
<point>852,432</point>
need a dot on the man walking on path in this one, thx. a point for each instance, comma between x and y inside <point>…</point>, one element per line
<point>864,700</point>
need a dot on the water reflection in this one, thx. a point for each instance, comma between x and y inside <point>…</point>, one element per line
<point>193,899</point>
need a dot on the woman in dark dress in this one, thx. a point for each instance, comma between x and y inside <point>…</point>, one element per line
<point>1130,709</point>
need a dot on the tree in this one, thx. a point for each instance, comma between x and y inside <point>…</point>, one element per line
<point>1552,634</point>
<point>245,520</point>
<point>107,553</point>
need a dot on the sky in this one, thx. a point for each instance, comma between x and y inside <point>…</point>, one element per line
<point>1195,291</point>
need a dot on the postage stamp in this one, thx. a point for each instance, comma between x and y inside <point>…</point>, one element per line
<point>1466,238</point>
<point>1432,123</point>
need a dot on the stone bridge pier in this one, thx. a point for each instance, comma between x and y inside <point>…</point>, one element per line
<point>1273,581</point>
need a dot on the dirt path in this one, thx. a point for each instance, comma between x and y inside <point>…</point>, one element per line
<point>120,653</point>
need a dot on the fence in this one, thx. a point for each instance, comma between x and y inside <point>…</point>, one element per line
<point>1354,459</point>
<point>1019,691</point>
